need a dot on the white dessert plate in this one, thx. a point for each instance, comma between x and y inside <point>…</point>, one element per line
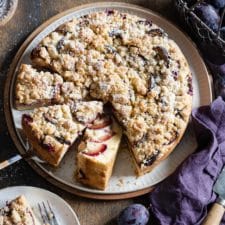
<point>123,182</point>
<point>64,213</point>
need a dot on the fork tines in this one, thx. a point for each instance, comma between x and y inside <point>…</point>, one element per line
<point>47,214</point>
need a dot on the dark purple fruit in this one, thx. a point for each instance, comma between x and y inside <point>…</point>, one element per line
<point>150,160</point>
<point>27,118</point>
<point>222,33</point>
<point>109,12</point>
<point>218,3</point>
<point>208,14</point>
<point>219,86</point>
<point>48,147</point>
<point>190,2</point>
<point>135,214</point>
<point>212,53</point>
<point>190,86</point>
<point>217,70</point>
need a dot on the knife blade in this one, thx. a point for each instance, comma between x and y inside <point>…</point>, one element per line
<point>219,187</point>
<point>215,215</point>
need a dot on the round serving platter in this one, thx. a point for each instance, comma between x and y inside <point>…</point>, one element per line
<point>123,183</point>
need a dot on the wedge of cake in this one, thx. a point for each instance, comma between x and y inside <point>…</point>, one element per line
<point>18,212</point>
<point>52,130</point>
<point>97,152</point>
<point>36,88</point>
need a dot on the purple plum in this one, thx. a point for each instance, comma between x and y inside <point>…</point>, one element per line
<point>218,3</point>
<point>135,214</point>
<point>208,14</point>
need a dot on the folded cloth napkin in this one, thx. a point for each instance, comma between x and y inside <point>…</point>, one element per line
<point>184,197</point>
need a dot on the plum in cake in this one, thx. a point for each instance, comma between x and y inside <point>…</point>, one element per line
<point>18,212</point>
<point>97,152</point>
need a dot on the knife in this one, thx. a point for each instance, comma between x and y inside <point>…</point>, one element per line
<point>27,156</point>
<point>215,215</point>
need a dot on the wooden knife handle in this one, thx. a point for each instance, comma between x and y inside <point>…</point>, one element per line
<point>215,215</point>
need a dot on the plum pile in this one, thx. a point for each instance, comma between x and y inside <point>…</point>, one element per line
<point>135,214</point>
<point>209,15</point>
<point>212,13</point>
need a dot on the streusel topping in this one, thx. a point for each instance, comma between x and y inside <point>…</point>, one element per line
<point>54,126</point>
<point>33,86</point>
<point>58,126</point>
<point>17,212</point>
<point>38,88</point>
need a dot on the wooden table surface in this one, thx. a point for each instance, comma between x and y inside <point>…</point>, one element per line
<point>29,15</point>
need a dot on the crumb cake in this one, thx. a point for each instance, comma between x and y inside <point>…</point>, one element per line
<point>130,64</point>
<point>38,88</point>
<point>35,88</point>
<point>97,152</point>
<point>18,212</point>
<point>52,130</point>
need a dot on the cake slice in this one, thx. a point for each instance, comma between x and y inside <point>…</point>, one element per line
<point>18,212</point>
<point>38,88</point>
<point>97,152</point>
<point>34,89</point>
<point>52,130</point>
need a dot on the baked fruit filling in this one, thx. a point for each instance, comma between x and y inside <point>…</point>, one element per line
<point>121,60</point>
<point>97,152</point>
<point>18,212</point>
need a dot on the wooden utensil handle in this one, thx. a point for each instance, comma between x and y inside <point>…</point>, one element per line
<point>10,161</point>
<point>215,215</point>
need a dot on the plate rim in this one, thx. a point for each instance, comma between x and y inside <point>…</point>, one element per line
<point>8,114</point>
<point>28,188</point>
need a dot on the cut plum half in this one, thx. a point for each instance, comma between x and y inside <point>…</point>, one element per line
<point>100,123</point>
<point>92,148</point>
<point>104,137</point>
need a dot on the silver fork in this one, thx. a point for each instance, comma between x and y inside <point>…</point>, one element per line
<point>47,214</point>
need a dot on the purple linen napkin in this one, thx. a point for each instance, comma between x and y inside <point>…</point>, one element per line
<point>183,198</point>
